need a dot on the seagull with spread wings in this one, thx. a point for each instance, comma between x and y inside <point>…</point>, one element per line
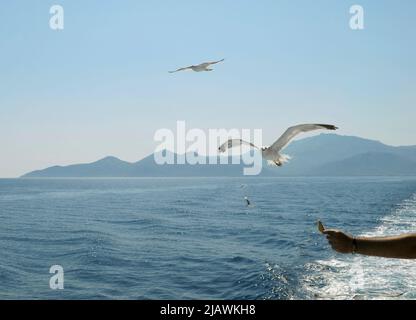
<point>272,154</point>
<point>200,67</point>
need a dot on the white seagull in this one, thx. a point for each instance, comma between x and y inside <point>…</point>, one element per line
<point>272,154</point>
<point>200,67</point>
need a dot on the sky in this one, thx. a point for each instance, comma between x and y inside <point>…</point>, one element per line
<point>100,87</point>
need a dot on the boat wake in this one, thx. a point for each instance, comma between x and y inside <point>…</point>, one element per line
<point>360,277</point>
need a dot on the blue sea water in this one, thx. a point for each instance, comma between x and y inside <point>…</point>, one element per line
<point>196,239</point>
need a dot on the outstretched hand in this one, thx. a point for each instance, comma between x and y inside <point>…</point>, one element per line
<point>339,240</point>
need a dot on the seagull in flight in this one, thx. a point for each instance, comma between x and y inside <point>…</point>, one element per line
<point>200,67</point>
<point>273,153</point>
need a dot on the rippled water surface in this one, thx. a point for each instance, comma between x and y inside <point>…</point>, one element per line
<point>196,238</point>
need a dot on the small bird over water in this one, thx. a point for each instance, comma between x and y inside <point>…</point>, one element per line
<point>200,67</point>
<point>272,154</point>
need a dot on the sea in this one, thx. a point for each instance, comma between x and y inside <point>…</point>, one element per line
<point>196,238</point>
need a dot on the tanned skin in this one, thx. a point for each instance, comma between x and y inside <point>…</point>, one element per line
<point>397,247</point>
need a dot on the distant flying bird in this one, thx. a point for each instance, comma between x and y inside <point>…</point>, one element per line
<point>200,67</point>
<point>272,154</point>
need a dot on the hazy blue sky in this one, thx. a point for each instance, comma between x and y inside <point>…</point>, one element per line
<point>100,87</point>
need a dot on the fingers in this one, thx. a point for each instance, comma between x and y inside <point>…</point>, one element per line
<point>331,232</point>
<point>321,227</point>
<point>338,240</point>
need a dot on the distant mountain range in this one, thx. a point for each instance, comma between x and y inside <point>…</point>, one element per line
<point>322,155</point>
